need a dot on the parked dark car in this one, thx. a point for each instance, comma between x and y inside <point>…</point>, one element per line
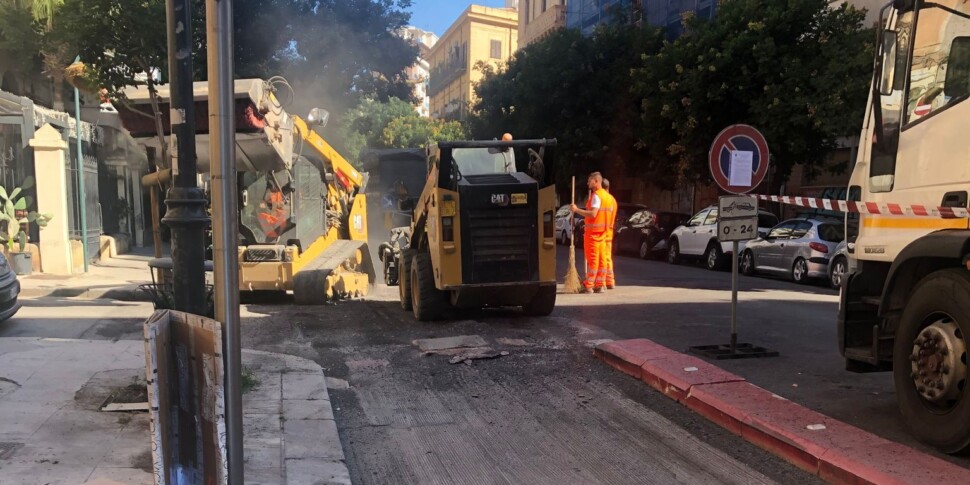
<point>645,232</point>
<point>623,212</point>
<point>9,290</point>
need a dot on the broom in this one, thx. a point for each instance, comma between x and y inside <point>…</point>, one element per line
<point>572,283</point>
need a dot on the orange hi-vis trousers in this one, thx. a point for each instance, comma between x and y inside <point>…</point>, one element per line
<point>610,279</point>
<point>595,252</point>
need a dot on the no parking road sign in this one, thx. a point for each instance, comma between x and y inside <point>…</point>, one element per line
<point>739,159</point>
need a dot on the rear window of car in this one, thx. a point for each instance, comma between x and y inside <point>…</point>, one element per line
<point>831,232</point>
<point>767,220</point>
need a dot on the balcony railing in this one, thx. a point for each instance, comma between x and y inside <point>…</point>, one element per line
<point>445,73</point>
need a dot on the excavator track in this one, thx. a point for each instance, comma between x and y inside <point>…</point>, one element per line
<point>343,270</point>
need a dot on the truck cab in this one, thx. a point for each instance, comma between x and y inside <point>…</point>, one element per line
<point>906,306</point>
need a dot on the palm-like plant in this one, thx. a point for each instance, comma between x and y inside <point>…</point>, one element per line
<point>16,215</point>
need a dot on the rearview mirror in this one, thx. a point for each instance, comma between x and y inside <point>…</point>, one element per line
<point>318,117</point>
<point>888,62</point>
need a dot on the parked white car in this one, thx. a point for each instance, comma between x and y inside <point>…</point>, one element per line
<point>698,239</point>
<point>563,228</point>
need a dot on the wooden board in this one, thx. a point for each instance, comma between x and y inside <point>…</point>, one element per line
<point>184,368</point>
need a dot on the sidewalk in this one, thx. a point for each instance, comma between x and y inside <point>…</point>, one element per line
<point>116,278</point>
<point>52,392</point>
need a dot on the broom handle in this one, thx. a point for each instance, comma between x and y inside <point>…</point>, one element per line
<point>572,217</point>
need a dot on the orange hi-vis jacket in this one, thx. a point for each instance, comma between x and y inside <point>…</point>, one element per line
<point>598,225</point>
<point>610,203</point>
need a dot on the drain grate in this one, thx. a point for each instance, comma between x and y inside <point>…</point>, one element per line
<point>7,449</point>
<point>725,351</point>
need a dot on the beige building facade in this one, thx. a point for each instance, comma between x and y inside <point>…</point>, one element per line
<point>480,34</point>
<point>537,18</point>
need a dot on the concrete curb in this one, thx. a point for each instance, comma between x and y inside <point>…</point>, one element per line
<point>120,293</point>
<point>818,444</point>
<point>311,448</point>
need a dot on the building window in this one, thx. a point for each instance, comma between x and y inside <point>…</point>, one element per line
<point>496,49</point>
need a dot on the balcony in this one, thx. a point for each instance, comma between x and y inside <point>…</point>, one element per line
<point>553,18</point>
<point>447,72</point>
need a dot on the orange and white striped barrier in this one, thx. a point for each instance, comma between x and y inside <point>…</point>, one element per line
<point>870,208</point>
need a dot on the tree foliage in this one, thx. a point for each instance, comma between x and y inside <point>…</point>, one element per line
<point>795,69</point>
<point>392,124</point>
<point>570,87</point>
<point>626,99</point>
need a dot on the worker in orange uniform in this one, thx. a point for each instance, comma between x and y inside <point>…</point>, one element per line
<point>597,219</point>
<point>608,253</point>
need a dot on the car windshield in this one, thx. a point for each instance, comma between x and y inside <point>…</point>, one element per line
<point>482,161</point>
<point>767,220</point>
<point>831,232</point>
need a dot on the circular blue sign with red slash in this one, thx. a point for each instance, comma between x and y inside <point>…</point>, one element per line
<point>743,149</point>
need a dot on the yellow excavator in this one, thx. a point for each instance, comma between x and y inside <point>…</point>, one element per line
<point>303,226</point>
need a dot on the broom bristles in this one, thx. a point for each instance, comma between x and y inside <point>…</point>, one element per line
<point>572,283</point>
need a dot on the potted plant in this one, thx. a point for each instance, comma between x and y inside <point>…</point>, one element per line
<point>15,218</point>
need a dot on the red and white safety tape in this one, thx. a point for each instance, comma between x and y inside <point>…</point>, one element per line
<point>870,208</point>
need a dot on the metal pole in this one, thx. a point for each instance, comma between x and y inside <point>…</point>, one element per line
<point>186,213</point>
<point>225,230</point>
<point>80,175</point>
<point>734,297</point>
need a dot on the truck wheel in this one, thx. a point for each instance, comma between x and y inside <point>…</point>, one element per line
<point>404,279</point>
<point>543,303</point>
<point>930,361</point>
<point>428,302</point>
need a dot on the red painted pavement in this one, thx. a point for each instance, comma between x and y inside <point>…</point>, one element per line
<point>831,449</point>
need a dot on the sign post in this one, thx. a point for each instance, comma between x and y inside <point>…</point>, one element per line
<point>739,163</point>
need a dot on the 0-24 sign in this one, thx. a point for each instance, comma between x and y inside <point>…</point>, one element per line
<point>737,218</point>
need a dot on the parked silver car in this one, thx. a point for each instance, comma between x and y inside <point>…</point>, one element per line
<point>801,248</point>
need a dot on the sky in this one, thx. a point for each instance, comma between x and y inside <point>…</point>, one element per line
<point>437,15</point>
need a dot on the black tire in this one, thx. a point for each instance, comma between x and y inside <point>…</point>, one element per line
<point>714,257</point>
<point>837,271</point>
<point>644,250</point>
<point>427,301</point>
<point>747,263</point>
<point>404,279</point>
<point>564,238</point>
<point>543,303</point>
<point>673,252</point>
<point>799,271</point>
<point>941,300</point>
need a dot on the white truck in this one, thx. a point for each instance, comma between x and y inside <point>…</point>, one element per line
<point>906,305</point>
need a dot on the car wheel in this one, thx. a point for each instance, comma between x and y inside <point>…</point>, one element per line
<point>837,273</point>
<point>714,257</point>
<point>673,252</point>
<point>644,250</point>
<point>747,263</point>
<point>930,361</point>
<point>799,271</point>
<point>564,239</point>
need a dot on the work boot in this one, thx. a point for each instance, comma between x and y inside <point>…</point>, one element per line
<point>598,289</point>
<point>586,291</point>
<point>610,287</point>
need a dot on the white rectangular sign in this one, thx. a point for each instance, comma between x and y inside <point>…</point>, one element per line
<point>742,168</point>
<point>732,206</point>
<point>744,229</point>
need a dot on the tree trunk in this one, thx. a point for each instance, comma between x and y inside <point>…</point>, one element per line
<point>156,189</point>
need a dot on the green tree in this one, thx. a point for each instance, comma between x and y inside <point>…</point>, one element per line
<point>573,88</point>
<point>363,126</point>
<point>19,39</point>
<point>414,131</point>
<point>798,70</point>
